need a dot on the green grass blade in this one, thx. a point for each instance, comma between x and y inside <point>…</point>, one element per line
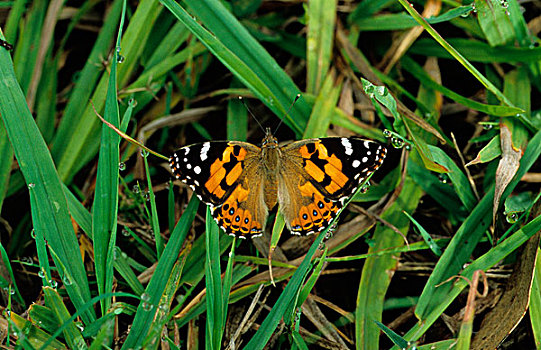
<point>535,302</point>
<point>153,212</point>
<point>321,15</point>
<point>227,283</point>
<point>489,259</point>
<point>39,172</point>
<point>477,51</point>
<point>237,117</point>
<point>495,22</point>
<point>375,278</point>
<point>147,308</point>
<point>72,334</point>
<point>323,110</point>
<point>213,282</point>
<point>270,323</point>
<point>490,87</point>
<point>105,206</point>
<point>87,80</point>
<point>466,238</point>
<point>26,49</point>
<point>460,182</point>
<point>5,163</point>
<point>80,143</point>
<point>7,266</point>
<point>417,71</point>
<point>231,43</point>
<point>426,236</point>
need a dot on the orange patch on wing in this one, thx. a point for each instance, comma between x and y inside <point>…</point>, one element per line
<point>307,189</point>
<point>314,171</point>
<point>323,154</point>
<point>334,161</point>
<point>304,152</point>
<point>234,174</point>
<point>213,184</point>
<point>242,154</point>
<point>339,179</point>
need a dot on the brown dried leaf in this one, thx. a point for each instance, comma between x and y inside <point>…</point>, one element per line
<point>512,307</point>
<point>507,167</point>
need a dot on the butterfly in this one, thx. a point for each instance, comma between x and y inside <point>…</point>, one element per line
<point>310,180</point>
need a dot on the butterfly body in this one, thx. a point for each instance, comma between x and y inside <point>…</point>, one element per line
<point>310,180</point>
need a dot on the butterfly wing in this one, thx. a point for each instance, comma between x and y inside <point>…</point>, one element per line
<point>218,174</point>
<point>328,171</point>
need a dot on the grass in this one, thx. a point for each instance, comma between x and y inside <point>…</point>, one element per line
<point>101,249</point>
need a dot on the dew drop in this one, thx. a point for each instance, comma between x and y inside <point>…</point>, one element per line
<point>80,326</point>
<point>365,187</point>
<point>397,142</point>
<point>27,259</point>
<point>31,185</point>
<point>145,297</point>
<point>444,178</point>
<point>512,217</point>
<point>381,90</point>
<point>33,234</point>
<point>121,166</point>
<point>132,102</point>
<point>41,274</point>
<point>53,283</point>
<point>120,58</point>
<point>125,232</point>
<point>135,189</point>
<point>387,133</point>
<point>147,306</point>
<point>67,281</point>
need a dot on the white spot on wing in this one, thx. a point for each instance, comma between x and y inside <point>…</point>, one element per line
<point>204,150</point>
<point>365,159</point>
<point>347,146</point>
<point>367,144</point>
<point>356,163</point>
<point>186,150</point>
<point>197,169</point>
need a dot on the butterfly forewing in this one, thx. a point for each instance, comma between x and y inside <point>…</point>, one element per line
<point>211,169</point>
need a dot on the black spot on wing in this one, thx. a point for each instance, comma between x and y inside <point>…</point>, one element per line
<point>192,164</point>
<point>359,157</point>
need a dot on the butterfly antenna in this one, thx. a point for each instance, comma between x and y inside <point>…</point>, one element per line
<point>287,112</point>
<point>253,115</point>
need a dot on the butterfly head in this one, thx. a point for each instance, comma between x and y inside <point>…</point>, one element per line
<point>269,141</point>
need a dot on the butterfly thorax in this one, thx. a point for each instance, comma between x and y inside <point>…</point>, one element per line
<point>270,162</point>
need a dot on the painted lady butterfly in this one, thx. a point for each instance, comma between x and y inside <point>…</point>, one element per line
<point>309,179</point>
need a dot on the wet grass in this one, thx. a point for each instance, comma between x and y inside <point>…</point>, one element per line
<point>99,246</point>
